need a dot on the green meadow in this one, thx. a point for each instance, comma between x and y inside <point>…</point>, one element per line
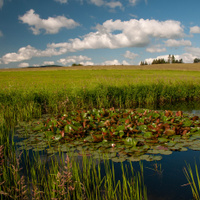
<point>31,93</point>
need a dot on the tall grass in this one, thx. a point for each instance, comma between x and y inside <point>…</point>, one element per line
<point>67,179</point>
<point>17,105</point>
<point>193,181</point>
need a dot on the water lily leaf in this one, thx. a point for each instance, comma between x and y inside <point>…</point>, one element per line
<point>120,128</point>
<point>134,159</point>
<point>165,152</point>
<point>38,127</point>
<point>131,141</point>
<point>118,159</point>
<point>195,148</point>
<point>171,143</point>
<point>57,137</point>
<point>157,158</point>
<point>162,140</point>
<point>147,134</point>
<point>68,128</point>
<point>153,151</point>
<point>187,123</point>
<point>144,157</point>
<point>169,132</point>
<point>183,149</point>
<point>142,128</point>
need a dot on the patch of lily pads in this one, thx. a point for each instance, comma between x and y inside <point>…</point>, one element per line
<point>120,134</point>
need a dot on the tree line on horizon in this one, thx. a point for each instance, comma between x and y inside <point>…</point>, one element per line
<point>171,59</point>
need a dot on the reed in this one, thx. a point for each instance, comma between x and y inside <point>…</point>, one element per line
<point>193,180</point>
<point>25,176</point>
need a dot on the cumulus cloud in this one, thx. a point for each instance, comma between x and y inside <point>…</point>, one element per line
<point>48,63</point>
<point>133,33</point>
<point>130,55</point>
<point>52,25</point>
<point>23,64</point>
<point>133,2</point>
<point>28,52</point>
<point>87,63</point>
<point>177,43</point>
<point>195,29</point>
<point>124,62</point>
<point>155,49</point>
<point>61,1</point>
<point>193,50</point>
<point>111,34</point>
<point>112,4</point>
<point>73,59</point>
<point>111,62</point>
<point>1,4</point>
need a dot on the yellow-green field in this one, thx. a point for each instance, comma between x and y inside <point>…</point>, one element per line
<point>34,91</point>
<point>91,76</point>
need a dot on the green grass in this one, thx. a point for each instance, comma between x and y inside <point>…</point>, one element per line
<point>28,94</point>
<point>65,178</point>
<point>193,180</point>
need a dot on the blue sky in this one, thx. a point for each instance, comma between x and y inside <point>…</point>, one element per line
<point>97,32</point>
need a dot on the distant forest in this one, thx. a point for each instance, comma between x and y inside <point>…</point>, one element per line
<point>171,59</point>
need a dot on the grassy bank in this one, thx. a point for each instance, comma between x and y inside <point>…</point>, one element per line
<point>29,93</point>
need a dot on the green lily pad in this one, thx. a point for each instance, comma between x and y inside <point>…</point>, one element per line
<point>131,141</point>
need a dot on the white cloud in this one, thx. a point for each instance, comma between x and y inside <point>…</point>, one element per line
<point>124,62</point>
<point>23,64</point>
<point>177,43</point>
<point>87,63</point>
<point>52,25</point>
<point>73,59</point>
<point>112,4</point>
<point>193,50</point>
<point>133,2</point>
<point>195,29</point>
<point>130,55</point>
<point>97,2</point>
<point>61,1</point>
<point>28,52</point>
<point>1,4</point>
<point>133,33</point>
<point>1,34</point>
<point>111,62</point>
<point>155,49</point>
<point>111,34</point>
<point>48,63</point>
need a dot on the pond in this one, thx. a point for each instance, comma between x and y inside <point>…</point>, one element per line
<point>163,171</point>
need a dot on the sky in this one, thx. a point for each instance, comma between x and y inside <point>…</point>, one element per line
<point>97,32</point>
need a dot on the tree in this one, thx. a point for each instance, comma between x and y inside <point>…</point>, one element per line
<point>196,60</point>
<point>169,58</point>
<point>74,64</point>
<point>173,60</point>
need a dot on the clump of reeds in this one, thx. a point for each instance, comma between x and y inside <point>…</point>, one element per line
<point>193,181</point>
<point>12,183</point>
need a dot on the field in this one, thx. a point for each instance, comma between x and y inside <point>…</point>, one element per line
<point>30,93</point>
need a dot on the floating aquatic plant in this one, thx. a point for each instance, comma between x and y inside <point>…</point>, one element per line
<point>126,132</point>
